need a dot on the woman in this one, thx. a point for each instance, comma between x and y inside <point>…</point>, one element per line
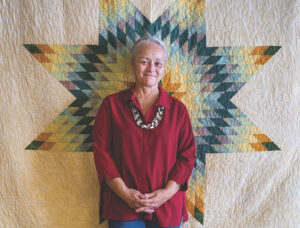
<point>144,147</point>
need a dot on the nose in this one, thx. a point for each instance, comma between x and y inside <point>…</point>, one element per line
<point>151,66</point>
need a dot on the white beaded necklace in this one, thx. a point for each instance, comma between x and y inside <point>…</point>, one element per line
<point>138,119</point>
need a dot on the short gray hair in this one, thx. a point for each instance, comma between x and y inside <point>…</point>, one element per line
<point>148,39</point>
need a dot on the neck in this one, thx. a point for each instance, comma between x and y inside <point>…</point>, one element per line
<point>146,92</point>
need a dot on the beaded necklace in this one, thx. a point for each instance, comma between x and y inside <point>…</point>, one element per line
<point>138,118</point>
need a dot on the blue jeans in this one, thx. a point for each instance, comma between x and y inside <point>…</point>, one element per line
<point>136,223</point>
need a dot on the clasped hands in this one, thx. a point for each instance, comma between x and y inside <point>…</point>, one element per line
<point>143,202</point>
<point>148,202</point>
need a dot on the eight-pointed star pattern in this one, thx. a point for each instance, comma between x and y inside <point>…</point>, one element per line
<point>203,78</point>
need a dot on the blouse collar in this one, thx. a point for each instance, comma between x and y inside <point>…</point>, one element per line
<point>163,99</point>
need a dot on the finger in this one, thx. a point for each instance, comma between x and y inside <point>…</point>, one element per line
<point>149,211</point>
<point>150,195</point>
<point>141,195</point>
<point>138,204</point>
<point>138,196</point>
<point>145,201</point>
<point>141,209</point>
<point>145,209</point>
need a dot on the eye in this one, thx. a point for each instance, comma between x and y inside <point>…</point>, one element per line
<point>158,64</point>
<point>143,62</point>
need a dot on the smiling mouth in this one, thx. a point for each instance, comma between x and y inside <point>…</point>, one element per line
<point>150,75</point>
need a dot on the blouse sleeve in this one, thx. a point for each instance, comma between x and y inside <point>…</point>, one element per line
<point>186,153</point>
<point>102,147</point>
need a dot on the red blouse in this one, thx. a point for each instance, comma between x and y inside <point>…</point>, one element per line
<point>144,159</point>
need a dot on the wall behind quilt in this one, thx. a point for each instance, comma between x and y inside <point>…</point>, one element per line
<point>60,189</point>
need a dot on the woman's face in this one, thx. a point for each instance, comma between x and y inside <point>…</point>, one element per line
<point>149,64</point>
